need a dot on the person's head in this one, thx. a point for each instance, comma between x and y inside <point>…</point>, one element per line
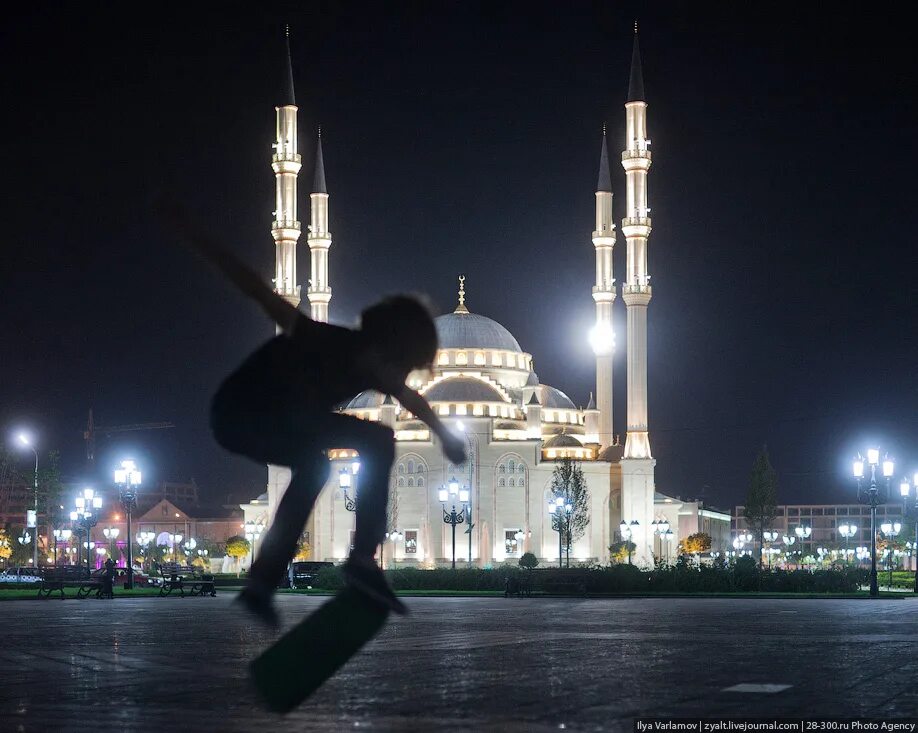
<point>401,328</point>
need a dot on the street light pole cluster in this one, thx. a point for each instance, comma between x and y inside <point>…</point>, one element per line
<point>452,492</point>
<point>86,516</point>
<point>627,530</point>
<point>904,492</point>
<point>561,511</point>
<point>127,478</point>
<point>871,497</point>
<point>26,441</point>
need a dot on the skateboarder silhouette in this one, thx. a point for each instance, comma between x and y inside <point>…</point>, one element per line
<point>278,408</point>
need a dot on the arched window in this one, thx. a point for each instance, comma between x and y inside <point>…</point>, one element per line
<point>401,468</point>
<point>501,468</point>
<point>521,483</point>
<point>401,482</point>
<point>512,482</point>
<point>521,468</point>
<point>411,482</point>
<point>410,465</point>
<point>420,480</point>
<point>502,482</point>
<point>512,465</point>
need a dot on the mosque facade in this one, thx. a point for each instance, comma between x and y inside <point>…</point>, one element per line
<point>495,506</point>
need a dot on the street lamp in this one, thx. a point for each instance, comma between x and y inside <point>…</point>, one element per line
<point>803,533</point>
<point>770,536</point>
<point>626,530</point>
<point>252,533</point>
<point>395,536</point>
<point>128,478</point>
<point>86,516</point>
<point>174,540</point>
<point>661,528</point>
<point>26,441</point>
<point>60,535</point>
<point>904,490</point>
<point>871,496</point>
<point>111,534</point>
<point>453,518</point>
<point>891,531</point>
<point>847,531</point>
<point>143,539</point>
<point>560,512</point>
<point>344,483</point>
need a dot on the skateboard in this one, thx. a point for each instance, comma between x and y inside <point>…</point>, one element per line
<point>312,651</point>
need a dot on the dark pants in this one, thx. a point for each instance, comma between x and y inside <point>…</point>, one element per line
<point>292,435</point>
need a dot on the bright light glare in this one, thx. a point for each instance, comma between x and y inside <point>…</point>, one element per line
<point>602,338</point>
<point>873,456</point>
<point>904,488</point>
<point>24,439</point>
<point>888,467</point>
<point>858,467</point>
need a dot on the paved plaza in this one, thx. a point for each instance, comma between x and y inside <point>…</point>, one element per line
<point>155,664</point>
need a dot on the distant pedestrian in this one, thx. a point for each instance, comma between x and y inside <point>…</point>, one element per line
<point>108,580</point>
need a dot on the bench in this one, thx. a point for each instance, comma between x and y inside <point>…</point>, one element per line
<point>518,587</point>
<point>69,576</point>
<point>194,586</point>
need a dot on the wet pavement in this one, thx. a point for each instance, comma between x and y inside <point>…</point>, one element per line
<point>156,664</point>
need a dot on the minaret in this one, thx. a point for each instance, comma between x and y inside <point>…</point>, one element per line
<point>602,337</point>
<point>319,240</point>
<point>637,463</point>
<point>286,164</point>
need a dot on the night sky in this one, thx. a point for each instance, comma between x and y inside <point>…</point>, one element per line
<point>465,138</point>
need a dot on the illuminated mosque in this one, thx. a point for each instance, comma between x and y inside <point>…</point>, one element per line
<point>484,387</point>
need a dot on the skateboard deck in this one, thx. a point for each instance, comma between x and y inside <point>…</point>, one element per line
<point>312,651</point>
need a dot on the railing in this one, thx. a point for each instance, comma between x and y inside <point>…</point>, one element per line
<point>630,154</point>
<point>285,224</point>
<point>286,158</point>
<point>636,221</point>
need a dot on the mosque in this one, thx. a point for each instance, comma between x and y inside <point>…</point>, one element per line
<point>496,506</point>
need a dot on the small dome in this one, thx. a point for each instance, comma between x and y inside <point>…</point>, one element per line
<point>611,454</point>
<point>555,398</point>
<point>366,400</point>
<point>463,389</point>
<point>562,440</point>
<point>471,331</point>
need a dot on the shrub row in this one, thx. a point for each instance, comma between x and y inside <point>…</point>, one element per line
<point>684,578</point>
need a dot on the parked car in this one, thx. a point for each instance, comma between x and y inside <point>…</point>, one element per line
<point>141,579</point>
<point>302,574</point>
<point>21,575</point>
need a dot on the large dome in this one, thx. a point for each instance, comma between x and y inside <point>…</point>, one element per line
<point>471,331</point>
<point>462,389</point>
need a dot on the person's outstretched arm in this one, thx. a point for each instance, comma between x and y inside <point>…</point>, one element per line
<point>453,447</point>
<point>237,272</point>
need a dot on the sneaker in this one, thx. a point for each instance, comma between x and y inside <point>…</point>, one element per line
<point>260,606</point>
<point>364,575</point>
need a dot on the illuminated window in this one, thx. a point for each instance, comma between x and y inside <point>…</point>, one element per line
<point>479,410</point>
<point>479,358</point>
<point>443,409</point>
<point>495,359</point>
<point>444,358</point>
<point>511,544</point>
<point>462,358</point>
<point>492,410</point>
<point>460,410</point>
<point>411,542</point>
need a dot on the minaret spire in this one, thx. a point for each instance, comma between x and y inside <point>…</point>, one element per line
<point>319,240</point>
<point>286,164</point>
<point>637,462</point>
<point>602,337</point>
<point>461,307</point>
<point>289,95</point>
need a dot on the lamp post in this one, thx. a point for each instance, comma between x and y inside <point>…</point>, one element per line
<point>847,531</point>
<point>174,540</point>
<point>345,481</point>
<point>871,497</point>
<point>890,530</point>
<point>395,536</point>
<point>661,528</point>
<point>560,512</point>
<point>626,530</point>
<point>453,517</point>
<point>143,540</point>
<point>86,517</point>
<point>111,534</point>
<point>128,478</point>
<point>60,535</point>
<point>770,536</point>
<point>803,533</point>
<point>26,441</point>
<point>252,533</point>
<point>904,491</point>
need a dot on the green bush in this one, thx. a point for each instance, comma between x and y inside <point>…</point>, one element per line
<point>684,577</point>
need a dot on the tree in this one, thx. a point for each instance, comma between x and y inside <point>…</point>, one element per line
<point>619,552</point>
<point>303,548</point>
<point>568,484</point>
<point>237,548</point>
<point>529,561</point>
<point>760,509</point>
<point>695,544</point>
<point>6,548</point>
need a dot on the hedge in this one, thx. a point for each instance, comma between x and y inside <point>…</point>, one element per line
<point>683,578</point>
